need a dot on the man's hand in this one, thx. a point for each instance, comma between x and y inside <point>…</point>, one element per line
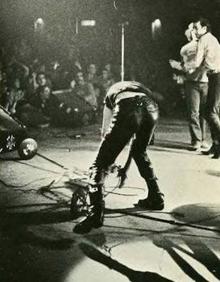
<point>191,71</point>
<point>175,65</point>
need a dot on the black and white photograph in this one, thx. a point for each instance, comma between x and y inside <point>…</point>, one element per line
<point>109,140</point>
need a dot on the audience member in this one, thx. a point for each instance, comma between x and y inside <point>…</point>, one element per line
<point>108,67</point>
<point>3,88</point>
<point>13,96</point>
<point>85,90</point>
<point>91,75</point>
<point>44,109</point>
<point>105,82</point>
<point>33,63</point>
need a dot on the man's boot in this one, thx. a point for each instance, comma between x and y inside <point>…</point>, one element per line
<point>211,150</point>
<point>95,216</point>
<point>154,200</point>
<point>216,152</point>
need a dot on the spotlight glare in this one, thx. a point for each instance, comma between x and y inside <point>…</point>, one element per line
<point>39,24</point>
<point>88,23</point>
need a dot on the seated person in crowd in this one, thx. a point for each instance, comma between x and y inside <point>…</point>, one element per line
<point>85,90</point>
<point>93,78</point>
<point>57,75</point>
<point>43,109</point>
<point>13,95</point>
<point>42,80</point>
<point>3,87</point>
<point>35,83</point>
<point>108,67</point>
<point>92,74</point>
<point>16,69</point>
<point>105,82</point>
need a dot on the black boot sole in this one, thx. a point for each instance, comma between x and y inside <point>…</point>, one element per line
<point>216,156</point>
<point>150,208</point>
<point>83,230</point>
<point>211,151</point>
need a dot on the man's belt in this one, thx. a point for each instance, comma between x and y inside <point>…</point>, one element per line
<point>128,94</point>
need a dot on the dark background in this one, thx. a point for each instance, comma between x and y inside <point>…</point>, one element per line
<point>145,57</point>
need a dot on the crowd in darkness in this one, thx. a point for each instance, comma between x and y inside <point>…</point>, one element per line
<point>29,85</point>
<point>38,65</point>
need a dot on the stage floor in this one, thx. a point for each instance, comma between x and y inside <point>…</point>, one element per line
<point>180,243</point>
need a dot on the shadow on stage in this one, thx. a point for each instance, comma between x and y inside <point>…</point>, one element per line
<point>20,226</point>
<point>173,147</point>
<point>213,172</point>
<point>188,235</point>
<point>181,247</point>
<point>133,275</point>
<point>207,215</point>
<point>202,214</point>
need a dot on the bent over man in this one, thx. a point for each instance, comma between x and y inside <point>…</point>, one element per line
<point>129,110</point>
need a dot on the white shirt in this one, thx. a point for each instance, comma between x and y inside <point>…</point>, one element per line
<point>188,53</point>
<point>208,53</point>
